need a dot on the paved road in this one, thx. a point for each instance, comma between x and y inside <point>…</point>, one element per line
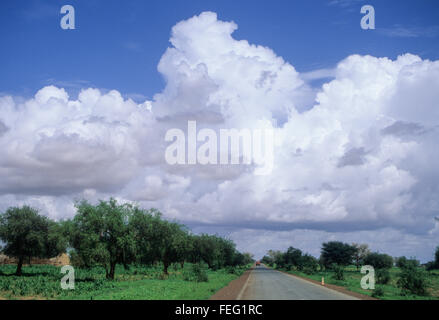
<point>268,284</point>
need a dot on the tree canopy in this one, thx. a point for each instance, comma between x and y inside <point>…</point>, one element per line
<point>336,252</point>
<point>27,234</point>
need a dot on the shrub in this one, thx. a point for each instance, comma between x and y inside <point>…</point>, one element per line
<point>383,276</point>
<point>338,272</point>
<point>413,280</point>
<point>378,292</point>
<point>309,270</point>
<point>196,273</point>
<point>232,270</point>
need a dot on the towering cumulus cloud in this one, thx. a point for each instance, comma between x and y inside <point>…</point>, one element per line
<point>357,163</point>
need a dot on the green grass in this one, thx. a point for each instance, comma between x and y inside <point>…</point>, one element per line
<point>352,280</point>
<point>137,283</point>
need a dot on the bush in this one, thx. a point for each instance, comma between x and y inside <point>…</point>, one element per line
<point>383,276</point>
<point>413,280</point>
<point>308,264</point>
<point>430,266</point>
<point>309,271</point>
<point>196,273</point>
<point>378,292</point>
<point>338,272</point>
<point>232,270</point>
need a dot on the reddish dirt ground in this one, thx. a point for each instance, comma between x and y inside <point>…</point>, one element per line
<point>232,290</point>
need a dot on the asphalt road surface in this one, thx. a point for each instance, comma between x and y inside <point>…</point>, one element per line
<point>268,284</point>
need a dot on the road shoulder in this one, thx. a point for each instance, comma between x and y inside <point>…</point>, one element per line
<point>332,287</point>
<point>234,289</point>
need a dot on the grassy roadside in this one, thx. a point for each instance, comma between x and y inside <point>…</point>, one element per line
<point>352,280</point>
<point>137,283</point>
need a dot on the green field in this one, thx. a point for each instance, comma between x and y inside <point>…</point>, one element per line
<point>352,278</point>
<point>138,283</point>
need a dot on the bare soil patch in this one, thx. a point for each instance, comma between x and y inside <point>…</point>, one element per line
<point>232,290</point>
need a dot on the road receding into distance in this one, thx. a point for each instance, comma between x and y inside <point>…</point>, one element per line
<point>268,284</point>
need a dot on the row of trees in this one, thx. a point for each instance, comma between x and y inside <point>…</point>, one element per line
<point>292,258</point>
<point>336,255</point>
<point>341,254</point>
<point>111,233</point>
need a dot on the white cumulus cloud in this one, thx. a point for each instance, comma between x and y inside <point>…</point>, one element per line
<point>361,157</point>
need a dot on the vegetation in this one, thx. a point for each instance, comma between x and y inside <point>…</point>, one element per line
<point>413,280</point>
<point>136,282</point>
<point>337,253</point>
<point>361,252</point>
<point>396,279</point>
<point>27,234</point>
<point>106,237</point>
<point>379,260</point>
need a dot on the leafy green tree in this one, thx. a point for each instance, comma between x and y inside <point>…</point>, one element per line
<point>145,227</point>
<point>248,258</point>
<point>335,252</point>
<point>274,256</point>
<point>308,264</point>
<point>207,250</point>
<point>403,262</point>
<point>27,234</point>
<point>413,280</point>
<point>171,243</point>
<point>100,234</point>
<point>379,260</point>
<point>280,260</point>
<point>292,257</point>
<point>267,260</point>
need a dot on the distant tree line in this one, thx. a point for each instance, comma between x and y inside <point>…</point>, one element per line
<point>111,233</point>
<point>336,255</point>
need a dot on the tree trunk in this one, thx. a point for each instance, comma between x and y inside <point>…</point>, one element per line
<point>19,265</point>
<point>165,267</point>
<point>182,264</point>
<point>112,269</point>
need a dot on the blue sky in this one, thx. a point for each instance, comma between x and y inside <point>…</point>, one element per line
<point>118,44</point>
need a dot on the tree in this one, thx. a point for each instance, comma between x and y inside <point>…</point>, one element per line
<point>336,252</point>
<point>171,242</point>
<point>379,260</point>
<point>413,280</point>
<point>274,256</point>
<point>213,250</point>
<point>403,262</point>
<point>436,258</point>
<point>308,264</point>
<point>145,228</point>
<point>292,257</point>
<point>99,234</point>
<point>248,258</point>
<point>360,254</point>
<point>267,260</point>
<point>28,234</point>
